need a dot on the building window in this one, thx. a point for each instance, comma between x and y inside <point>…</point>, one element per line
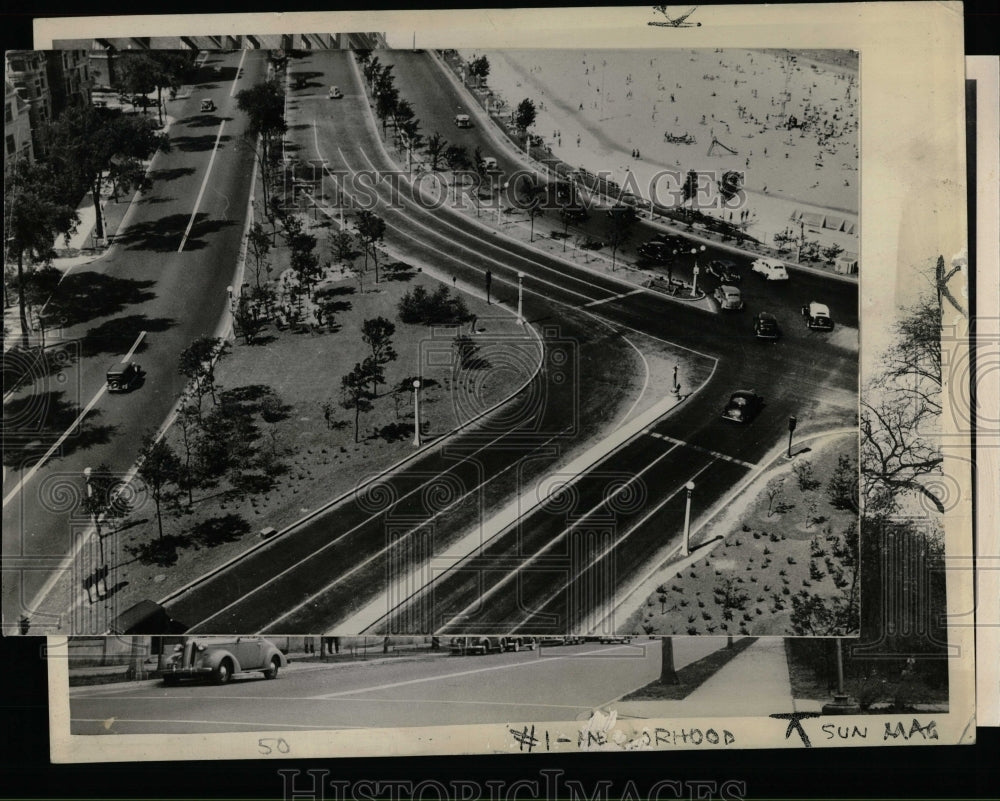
<point>11,145</point>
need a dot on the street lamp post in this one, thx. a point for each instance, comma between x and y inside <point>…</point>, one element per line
<point>686,548</point>
<point>694,285</point>
<point>791,427</point>
<point>520,298</point>
<point>416,412</point>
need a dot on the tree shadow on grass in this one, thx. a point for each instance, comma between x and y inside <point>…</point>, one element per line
<point>118,335</point>
<point>394,432</point>
<point>87,295</point>
<point>398,271</point>
<point>31,424</point>
<point>218,530</point>
<point>161,552</point>
<point>258,399</point>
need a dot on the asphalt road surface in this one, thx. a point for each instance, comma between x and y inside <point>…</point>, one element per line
<point>144,286</point>
<point>551,684</point>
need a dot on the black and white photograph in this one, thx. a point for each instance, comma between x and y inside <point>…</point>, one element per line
<point>495,392</point>
<point>307,335</point>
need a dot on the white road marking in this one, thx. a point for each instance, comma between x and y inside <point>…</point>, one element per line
<point>700,449</point>
<point>619,541</point>
<point>552,543</point>
<point>131,351</point>
<point>239,69</point>
<point>614,297</point>
<point>204,183</point>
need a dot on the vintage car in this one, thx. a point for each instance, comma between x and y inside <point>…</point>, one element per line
<point>616,638</point>
<point>489,165</point>
<point>518,642</point>
<point>461,646</point>
<point>817,317</point>
<point>723,271</point>
<point>655,252</point>
<point>208,104</point>
<point>463,121</point>
<point>765,326</point>
<point>728,298</point>
<point>334,93</point>
<point>743,406</point>
<point>123,377</point>
<point>769,269</point>
<point>220,658</point>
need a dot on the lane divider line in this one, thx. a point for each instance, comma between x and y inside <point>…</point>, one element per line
<point>614,297</point>
<point>204,184</point>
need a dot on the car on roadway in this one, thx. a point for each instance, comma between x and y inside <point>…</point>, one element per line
<point>463,121</point>
<point>516,643</point>
<point>575,213</point>
<point>817,317</point>
<point>608,639</point>
<point>671,241</point>
<point>654,252</point>
<point>334,93</point>
<point>744,405</point>
<point>765,326</point>
<point>220,659</point>
<point>461,646</point>
<point>769,269</point>
<point>208,104</point>
<point>723,271</point>
<point>489,165</point>
<point>728,298</point>
<point>124,377</point>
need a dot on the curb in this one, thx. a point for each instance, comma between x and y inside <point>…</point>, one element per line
<point>502,141</point>
<point>700,549</point>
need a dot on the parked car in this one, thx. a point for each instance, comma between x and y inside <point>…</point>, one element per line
<point>728,298</point>
<point>220,658</point>
<point>461,646</point>
<point>463,121</point>
<point>671,241</point>
<point>817,316</point>
<point>765,326</point>
<point>208,104</point>
<point>574,214</point>
<point>744,405</point>
<point>656,252</point>
<point>770,269</point>
<point>616,638</point>
<point>516,643</point>
<point>490,165</point>
<point>123,377</point>
<point>724,271</point>
<point>334,93</point>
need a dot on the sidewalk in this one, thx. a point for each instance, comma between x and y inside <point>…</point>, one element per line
<point>754,684</point>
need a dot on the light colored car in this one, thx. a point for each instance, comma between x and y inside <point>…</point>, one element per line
<point>334,93</point>
<point>771,269</point>
<point>490,164</point>
<point>817,316</point>
<point>518,643</point>
<point>728,298</point>
<point>220,658</point>
<point>463,121</point>
<point>461,646</point>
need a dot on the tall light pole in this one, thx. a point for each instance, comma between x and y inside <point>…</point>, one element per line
<point>520,298</point>
<point>694,285</point>
<point>686,548</point>
<point>416,412</point>
<point>791,427</point>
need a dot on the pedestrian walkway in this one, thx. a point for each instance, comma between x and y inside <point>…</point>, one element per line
<point>755,683</point>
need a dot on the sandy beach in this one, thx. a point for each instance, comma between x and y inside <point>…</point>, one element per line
<point>641,111</point>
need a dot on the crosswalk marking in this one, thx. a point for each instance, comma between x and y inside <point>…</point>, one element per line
<point>716,454</point>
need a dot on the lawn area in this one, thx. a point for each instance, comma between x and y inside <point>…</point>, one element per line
<point>290,382</point>
<point>778,540</point>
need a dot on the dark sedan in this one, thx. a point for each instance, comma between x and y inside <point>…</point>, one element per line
<point>744,405</point>
<point>723,271</point>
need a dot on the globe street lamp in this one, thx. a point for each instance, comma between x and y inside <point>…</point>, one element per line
<point>694,285</point>
<point>416,412</point>
<point>686,548</point>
